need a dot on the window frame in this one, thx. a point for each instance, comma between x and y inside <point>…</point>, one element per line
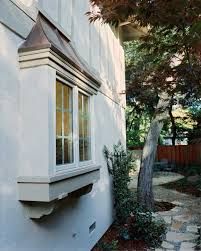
<point>77,164</point>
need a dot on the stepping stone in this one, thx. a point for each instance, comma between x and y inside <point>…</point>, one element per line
<point>167,219</point>
<point>177,203</point>
<point>167,245</point>
<point>165,213</point>
<point>176,209</point>
<point>192,229</point>
<point>179,237</point>
<point>182,218</point>
<point>187,246</point>
<point>176,225</point>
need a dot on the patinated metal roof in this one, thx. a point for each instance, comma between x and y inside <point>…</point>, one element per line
<point>45,34</point>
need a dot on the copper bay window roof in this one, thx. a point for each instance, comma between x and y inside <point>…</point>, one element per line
<point>45,34</point>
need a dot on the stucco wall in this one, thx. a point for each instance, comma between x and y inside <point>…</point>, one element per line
<point>68,228</point>
<point>96,43</point>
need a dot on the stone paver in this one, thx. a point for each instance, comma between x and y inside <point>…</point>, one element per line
<point>187,245</point>
<point>182,218</point>
<point>167,245</point>
<point>176,225</point>
<point>185,220</point>
<point>167,219</point>
<point>192,229</point>
<point>178,237</point>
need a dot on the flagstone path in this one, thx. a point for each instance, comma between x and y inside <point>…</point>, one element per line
<point>183,221</point>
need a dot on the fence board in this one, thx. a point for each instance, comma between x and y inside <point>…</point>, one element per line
<point>180,154</point>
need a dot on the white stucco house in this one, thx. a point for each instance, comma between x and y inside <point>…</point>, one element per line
<point>61,100</point>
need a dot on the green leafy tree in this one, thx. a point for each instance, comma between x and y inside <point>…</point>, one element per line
<point>170,63</point>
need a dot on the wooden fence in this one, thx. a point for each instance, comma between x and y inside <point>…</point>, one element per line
<point>180,154</point>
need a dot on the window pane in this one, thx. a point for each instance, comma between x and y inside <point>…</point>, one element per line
<point>59,95</point>
<point>80,103</point>
<point>67,123</point>
<point>87,149</point>
<point>59,123</point>
<point>68,151</point>
<point>67,98</point>
<point>84,128</point>
<point>64,128</point>
<point>58,151</point>
<point>81,128</point>
<point>86,104</point>
<point>81,149</point>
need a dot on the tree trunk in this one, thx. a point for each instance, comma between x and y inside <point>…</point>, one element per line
<point>144,191</point>
<point>173,127</point>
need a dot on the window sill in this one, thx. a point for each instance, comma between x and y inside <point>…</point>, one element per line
<point>47,189</point>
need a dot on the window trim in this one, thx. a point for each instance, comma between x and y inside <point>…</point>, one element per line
<point>77,164</point>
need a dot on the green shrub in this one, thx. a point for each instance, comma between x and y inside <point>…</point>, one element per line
<point>106,246</point>
<point>146,227</point>
<point>133,221</point>
<point>143,226</point>
<point>119,165</point>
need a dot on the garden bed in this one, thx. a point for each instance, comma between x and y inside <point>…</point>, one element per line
<point>107,242</point>
<point>112,241</point>
<point>161,206</point>
<point>184,186</point>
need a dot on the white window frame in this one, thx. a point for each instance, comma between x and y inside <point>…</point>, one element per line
<point>77,164</point>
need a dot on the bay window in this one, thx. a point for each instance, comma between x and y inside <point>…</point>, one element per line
<point>58,160</point>
<point>66,150</point>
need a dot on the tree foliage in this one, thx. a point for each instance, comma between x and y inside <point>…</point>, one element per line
<point>156,13</point>
<point>162,65</point>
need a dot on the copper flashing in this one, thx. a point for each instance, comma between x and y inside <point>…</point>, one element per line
<point>45,34</point>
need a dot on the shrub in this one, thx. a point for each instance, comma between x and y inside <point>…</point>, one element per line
<point>134,222</point>
<point>119,165</point>
<point>106,246</point>
<point>148,228</point>
<point>143,226</point>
